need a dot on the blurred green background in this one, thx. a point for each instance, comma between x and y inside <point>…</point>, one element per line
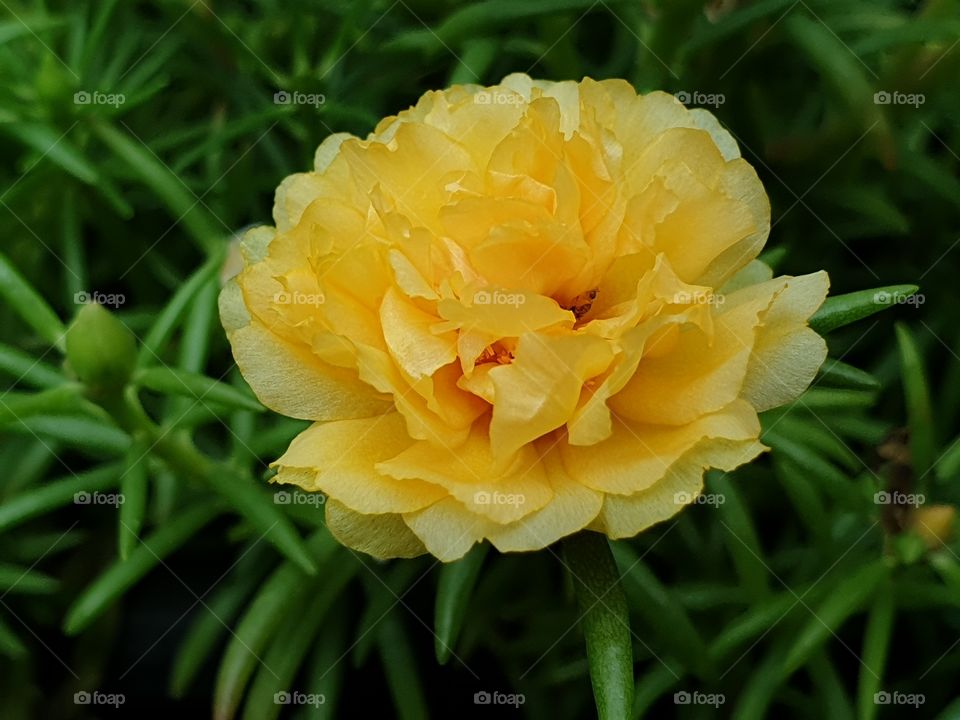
<point>136,138</point>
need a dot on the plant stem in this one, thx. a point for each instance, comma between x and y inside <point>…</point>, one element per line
<point>605,621</point>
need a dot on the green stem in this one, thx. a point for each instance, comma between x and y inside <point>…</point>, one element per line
<point>605,621</point>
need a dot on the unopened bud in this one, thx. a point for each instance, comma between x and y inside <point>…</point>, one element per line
<point>100,349</point>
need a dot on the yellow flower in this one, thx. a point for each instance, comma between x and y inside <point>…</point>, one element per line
<point>516,312</point>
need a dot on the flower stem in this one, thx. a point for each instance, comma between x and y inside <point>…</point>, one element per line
<point>605,621</point>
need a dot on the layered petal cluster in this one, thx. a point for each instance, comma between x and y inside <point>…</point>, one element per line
<point>518,311</point>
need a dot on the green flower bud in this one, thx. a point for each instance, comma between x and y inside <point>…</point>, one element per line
<point>100,349</point>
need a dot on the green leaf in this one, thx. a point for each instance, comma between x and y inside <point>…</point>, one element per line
<point>56,494</point>
<point>839,374</point>
<point>740,535</point>
<point>185,207</point>
<point>24,368</point>
<point>95,437</point>
<point>919,412</point>
<point>293,639</point>
<point>400,668</point>
<point>175,310</point>
<point>25,580</point>
<point>10,644</point>
<point>876,643</point>
<point>29,305</point>
<point>847,598</point>
<point>64,399</point>
<point>664,615</point>
<point>258,508</point>
<point>133,488</point>
<point>282,591</point>
<point>120,576</point>
<point>214,617</point>
<point>199,388</point>
<point>454,588</point>
<point>841,310</point>
<point>605,621</point>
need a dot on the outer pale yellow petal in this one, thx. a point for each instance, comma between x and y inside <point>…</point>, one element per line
<point>382,536</point>
<point>625,516</point>
<point>787,353</point>
<point>290,379</point>
<point>501,491</point>
<point>636,457</point>
<point>341,457</point>
<point>447,529</point>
